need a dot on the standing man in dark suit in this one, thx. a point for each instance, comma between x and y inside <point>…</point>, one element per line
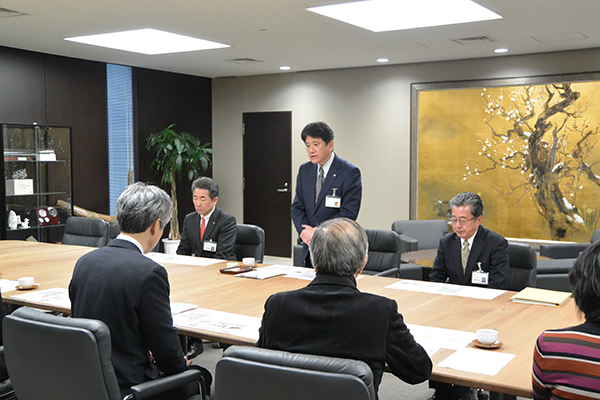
<point>129,292</point>
<point>327,186</point>
<point>471,255</point>
<point>331,317</point>
<point>209,231</point>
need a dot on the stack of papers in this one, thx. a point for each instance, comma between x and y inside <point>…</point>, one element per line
<point>541,296</point>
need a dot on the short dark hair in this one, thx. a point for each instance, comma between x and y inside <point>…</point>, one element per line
<point>140,205</point>
<point>206,183</point>
<point>468,198</point>
<point>318,130</point>
<point>584,277</point>
<point>339,247</point>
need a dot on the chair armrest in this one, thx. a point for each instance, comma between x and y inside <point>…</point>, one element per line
<point>408,244</point>
<point>566,250</point>
<point>151,388</point>
<point>390,273</point>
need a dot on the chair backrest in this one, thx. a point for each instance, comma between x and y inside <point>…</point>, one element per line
<point>595,236</point>
<point>427,232</point>
<point>249,242</point>
<point>113,230</point>
<point>84,231</point>
<point>53,357</point>
<point>384,250</point>
<point>251,373</point>
<point>522,271</point>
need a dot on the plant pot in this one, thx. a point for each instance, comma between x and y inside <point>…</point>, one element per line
<point>170,246</point>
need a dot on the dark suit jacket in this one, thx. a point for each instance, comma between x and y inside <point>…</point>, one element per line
<point>489,248</point>
<point>220,228</point>
<point>331,317</point>
<point>130,293</point>
<point>342,176</point>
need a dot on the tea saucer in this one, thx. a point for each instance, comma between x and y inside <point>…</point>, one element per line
<point>496,345</point>
<point>34,286</point>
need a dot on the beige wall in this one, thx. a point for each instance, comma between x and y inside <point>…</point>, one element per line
<point>369,111</point>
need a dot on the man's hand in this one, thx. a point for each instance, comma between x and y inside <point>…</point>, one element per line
<point>307,233</point>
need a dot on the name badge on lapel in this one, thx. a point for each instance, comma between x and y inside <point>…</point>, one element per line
<point>480,277</point>
<point>333,201</point>
<point>209,246</point>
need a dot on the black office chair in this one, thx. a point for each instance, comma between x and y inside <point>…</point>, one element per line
<point>52,357</point>
<point>6,389</point>
<point>384,253</point>
<point>113,231</point>
<point>251,373</point>
<point>249,242</point>
<point>82,231</point>
<point>522,271</point>
<point>420,234</point>
<point>567,250</point>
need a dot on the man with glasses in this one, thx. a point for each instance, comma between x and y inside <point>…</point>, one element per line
<point>471,255</point>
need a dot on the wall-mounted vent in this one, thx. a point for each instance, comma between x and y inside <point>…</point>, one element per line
<point>475,40</point>
<point>244,60</point>
<point>6,13</point>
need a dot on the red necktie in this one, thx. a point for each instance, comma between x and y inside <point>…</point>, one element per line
<point>202,229</point>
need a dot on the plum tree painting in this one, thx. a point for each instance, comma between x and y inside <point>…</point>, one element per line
<point>542,134</point>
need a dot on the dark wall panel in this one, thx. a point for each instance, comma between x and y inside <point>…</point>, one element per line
<point>165,98</point>
<point>76,97</point>
<point>22,91</point>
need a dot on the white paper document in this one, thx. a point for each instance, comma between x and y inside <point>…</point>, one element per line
<point>55,297</point>
<point>183,260</point>
<point>477,361</point>
<point>447,289</point>
<point>264,272</point>
<point>177,308</point>
<point>218,321</point>
<point>432,339</point>
<point>7,285</point>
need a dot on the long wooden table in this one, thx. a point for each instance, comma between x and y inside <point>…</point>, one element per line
<point>518,324</point>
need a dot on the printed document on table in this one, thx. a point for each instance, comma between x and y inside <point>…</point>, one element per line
<point>264,272</point>
<point>7,285</point>
<point>447,289</point>
<point>55,297</point>
<point>432,339</point>
<point>184,260</point>
<point>218,321</point>
<point>477,361</point>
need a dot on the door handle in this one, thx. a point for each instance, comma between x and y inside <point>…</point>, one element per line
<point>285,188</point>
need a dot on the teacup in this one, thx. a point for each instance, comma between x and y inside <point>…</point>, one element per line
<point>487,336</point>
<point>26,282</point>
<point>248,261</point>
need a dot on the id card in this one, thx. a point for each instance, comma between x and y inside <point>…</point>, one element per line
<point>209,246</point>
<point>480,278</point>
<point>333,201</point>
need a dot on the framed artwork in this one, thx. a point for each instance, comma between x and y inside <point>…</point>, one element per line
<point>527,146</point>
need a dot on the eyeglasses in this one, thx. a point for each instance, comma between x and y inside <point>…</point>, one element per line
<point>461,220</point>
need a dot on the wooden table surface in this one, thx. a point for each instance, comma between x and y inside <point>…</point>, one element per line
<point>518,324</point>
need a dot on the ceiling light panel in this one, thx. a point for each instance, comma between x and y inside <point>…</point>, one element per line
<point>148,41</point>
<point>393,15</point>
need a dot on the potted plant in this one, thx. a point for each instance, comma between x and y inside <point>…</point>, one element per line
<point>176,154</point>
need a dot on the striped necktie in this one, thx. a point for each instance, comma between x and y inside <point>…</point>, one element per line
<point>465,255</point>
<point>319,184</point>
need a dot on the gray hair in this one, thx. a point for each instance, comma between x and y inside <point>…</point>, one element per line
<point>339,247</point>
<point>465,199</point>
<point>206,183</point>
<point>140,205</point>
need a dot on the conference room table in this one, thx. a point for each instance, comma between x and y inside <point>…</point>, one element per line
<point>518,324</point>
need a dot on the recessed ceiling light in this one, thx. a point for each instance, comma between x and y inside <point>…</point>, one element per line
<point>148,41</point>
<point>285,68</point>
<point>393,15</point>
<point>382,60</point>
<point>500,50</point>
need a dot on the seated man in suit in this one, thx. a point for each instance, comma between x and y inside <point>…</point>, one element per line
<point>471,255</point>
<point>129,292</point>
<point>331,317</point>
<point>327,186</point>
<point>209,231</point>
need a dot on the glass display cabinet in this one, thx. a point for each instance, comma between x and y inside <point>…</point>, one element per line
<point>38,189</point>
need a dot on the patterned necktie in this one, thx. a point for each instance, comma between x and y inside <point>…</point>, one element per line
<point>465,255</point>
<point>202,229</point>
<point>319,185</point>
